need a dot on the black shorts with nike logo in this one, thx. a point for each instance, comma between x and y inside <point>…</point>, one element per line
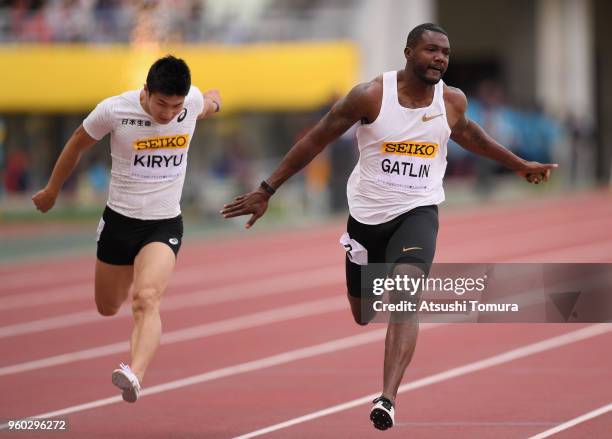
<point>120,238</point>
<point>410,238</point>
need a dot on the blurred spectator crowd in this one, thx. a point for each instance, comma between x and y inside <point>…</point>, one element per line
<point>98,21</point>
<point>528,132</point>
<point>172,21</point>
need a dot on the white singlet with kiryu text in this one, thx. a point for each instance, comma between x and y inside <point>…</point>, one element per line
<point>149,160</point>
<point>402,158</point>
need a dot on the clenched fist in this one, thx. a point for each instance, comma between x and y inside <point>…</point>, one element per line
<point>44,199</point>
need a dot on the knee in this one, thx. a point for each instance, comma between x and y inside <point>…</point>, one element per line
<point>410,270</point>
<point>107,310</point>
<point>360,320</point>
<point>362,316</point>
<point>361,309</point>
<point>146,299</point>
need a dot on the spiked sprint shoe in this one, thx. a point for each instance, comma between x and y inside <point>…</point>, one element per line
<point>383,413</point>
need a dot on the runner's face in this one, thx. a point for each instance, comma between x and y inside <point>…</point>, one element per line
<point>164,108</point>
<point>430,56</point>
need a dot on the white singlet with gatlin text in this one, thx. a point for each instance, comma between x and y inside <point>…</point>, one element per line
<point>402,158</point>
<point>149,160</point>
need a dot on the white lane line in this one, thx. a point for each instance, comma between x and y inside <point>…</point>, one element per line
<point>79,292</point>
<point>228,293</point>
<point>250,366</point>
<point>275,315</point>
<point>572,422</point>
<point>270,264</point>
<point>21,275</point>
<point>186,276</point>
<point>25,278</point>
<point>496,360</point>
<point>71,272</point>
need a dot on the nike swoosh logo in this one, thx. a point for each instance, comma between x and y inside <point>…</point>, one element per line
<point>407,249</point>
<point>427,118</point>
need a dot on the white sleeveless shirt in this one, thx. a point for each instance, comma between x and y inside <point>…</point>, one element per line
<point>149,160</point>
<point>402,158</point>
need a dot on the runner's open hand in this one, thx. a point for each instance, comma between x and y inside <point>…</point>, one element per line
<point>535,172</point>
<point>254,203</point>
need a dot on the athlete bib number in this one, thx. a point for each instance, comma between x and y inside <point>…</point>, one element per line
<point>405,174</point>
<point>158,165</point>
<point>407,164</point>
<point>160,158</point>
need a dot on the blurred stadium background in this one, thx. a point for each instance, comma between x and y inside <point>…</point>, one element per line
<point>537,73</point>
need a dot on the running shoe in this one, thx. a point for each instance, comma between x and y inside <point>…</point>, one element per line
<point>383,413</point>
<point>127,381</point>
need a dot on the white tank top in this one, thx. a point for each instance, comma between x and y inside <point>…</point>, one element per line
<point>402,158</point>
<point>149,159</point>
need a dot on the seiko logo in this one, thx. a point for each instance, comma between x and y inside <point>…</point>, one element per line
<point>410,148</point>
<point>166,142</point>
<point>136,122</point>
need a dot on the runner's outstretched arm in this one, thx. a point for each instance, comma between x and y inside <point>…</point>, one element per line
<point>67,161</point>
<point>472,137</point>
<point>344,114</point>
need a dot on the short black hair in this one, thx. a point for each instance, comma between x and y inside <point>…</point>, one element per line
<point>415,34</point>
<point>169,76</point>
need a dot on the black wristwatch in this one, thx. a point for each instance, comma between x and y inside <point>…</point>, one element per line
<point>266,187</point>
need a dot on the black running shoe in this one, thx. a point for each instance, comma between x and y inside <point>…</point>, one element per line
<point>382,413</point>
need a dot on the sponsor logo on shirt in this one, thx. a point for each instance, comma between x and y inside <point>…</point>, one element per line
<point>158,161</point>
<point>166,142</point>
<point>410,148</point>
<point>136,122</point>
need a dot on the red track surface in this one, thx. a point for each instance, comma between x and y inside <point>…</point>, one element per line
<point>256,296</point>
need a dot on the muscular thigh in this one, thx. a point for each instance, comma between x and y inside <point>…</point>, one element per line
<point>152,268</point>
<point>135,252</point>
<point>409,239</point>
<point>121,238</point>
<point>374,239</point>
<point>414,239</point>
<point>112,282</point>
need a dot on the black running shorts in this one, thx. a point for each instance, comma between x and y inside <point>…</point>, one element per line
<point>410,238</point>
<point>120,238</point>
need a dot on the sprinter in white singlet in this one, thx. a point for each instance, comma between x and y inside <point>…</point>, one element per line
<point>141,229</point>
<point>406,118</point>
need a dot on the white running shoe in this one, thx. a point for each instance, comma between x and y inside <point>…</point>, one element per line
<point>127,381</point>
<point>383,413</point>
